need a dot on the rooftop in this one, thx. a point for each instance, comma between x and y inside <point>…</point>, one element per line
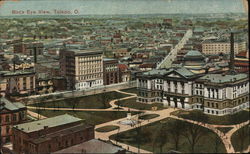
<point>50,122</point>
<point>220,78</point>
<point>92,146</point>
<point>194,53</point>
<point>11,106</point>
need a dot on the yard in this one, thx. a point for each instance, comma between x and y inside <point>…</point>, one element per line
<point>96,101</point>
<point>196,115</point>
<point>241,138</point>
<point>131,103</point>
<point>107,128</point>
<point>91,117</point>
<point>131,90</point>
<point>159,137</point>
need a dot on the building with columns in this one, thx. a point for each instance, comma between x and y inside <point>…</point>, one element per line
<point>217,94</point>
<point>83,68</point>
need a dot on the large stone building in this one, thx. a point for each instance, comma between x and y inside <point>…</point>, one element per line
<point>10,114</point>
<point>83,68</point>
<point>51,134</point>
<point>17,82</point>
<point>218,46</point>
<point>216,94</point>
<point>213,93</point>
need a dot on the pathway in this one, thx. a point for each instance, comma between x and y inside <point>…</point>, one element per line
<point>226,138</point>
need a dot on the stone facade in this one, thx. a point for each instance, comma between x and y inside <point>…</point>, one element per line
<point>82,68</point>
<point>216,94</point>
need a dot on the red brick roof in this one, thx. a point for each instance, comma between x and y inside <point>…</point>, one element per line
<point>122,67</point>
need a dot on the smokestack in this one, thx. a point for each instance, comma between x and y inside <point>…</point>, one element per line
<point>231,64</point>
<point>14,64</point>
<point>35,55</point>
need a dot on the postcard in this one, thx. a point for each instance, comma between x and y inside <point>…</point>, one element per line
<point>124,76</point>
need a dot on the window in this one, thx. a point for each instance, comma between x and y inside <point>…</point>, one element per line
<point>217,106</point>
<point>14,117</point>
<point>7,118</point>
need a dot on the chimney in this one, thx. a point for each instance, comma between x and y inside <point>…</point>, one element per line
<point>231,64</point>
<point>35,54</point>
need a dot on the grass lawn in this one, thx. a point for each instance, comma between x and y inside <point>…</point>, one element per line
<point>224,129</point>
<point>96,101</point>
<point>148,116</point>
<point>107,128</point>
<point>130,90</point>
<point>131,103</point>
<point>151,135</point>
<point>91,117</point>
<point>241,138</point>
<point>236,118</point>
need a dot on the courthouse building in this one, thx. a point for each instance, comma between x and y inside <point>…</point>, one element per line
<point>83,68</point>
<point>213,93</point>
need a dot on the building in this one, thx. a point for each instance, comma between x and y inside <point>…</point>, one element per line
<point>194,61</point>
<point>110,71</point>
<point>10,114</point>
<point>51,134</point>
<point>220,46</point>
<point>83,68</point>
<point>17,82</point>
<point>216,94</point>
<point>94,146</point>
<point>29,48</point>
<point>124,73</point>
<point>242,62</point>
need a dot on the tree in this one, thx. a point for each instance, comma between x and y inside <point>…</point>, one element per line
<point>175,131</point>
<point>76,103</point>
<point>242,133</point>
<point>138,137</point>
<point>161,138</point>
<point>216,144</point>
<point>104,98</point>
<point>193,134</point>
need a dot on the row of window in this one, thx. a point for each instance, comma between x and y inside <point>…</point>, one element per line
<point>9,118</point>
<point>92,76</point>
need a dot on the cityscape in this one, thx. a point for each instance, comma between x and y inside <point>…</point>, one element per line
<point>126,82</point>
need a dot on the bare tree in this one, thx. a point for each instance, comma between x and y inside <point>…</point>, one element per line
<point>193,134</point>
<point>76,103</point>
<point>242,133</point>
<point>175,131</point>
<point>216,144</point>
<point>104,98</point>
<point>161,138</point>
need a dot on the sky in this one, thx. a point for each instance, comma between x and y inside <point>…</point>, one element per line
<point>113,7</point>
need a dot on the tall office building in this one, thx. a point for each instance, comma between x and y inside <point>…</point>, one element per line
<point>83,68</point>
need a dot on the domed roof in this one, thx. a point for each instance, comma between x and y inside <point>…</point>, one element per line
<point>194,53</point>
